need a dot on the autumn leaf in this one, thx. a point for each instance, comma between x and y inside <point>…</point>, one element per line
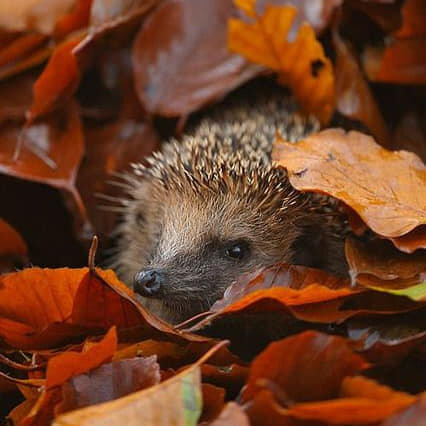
<point>20,47</point>
<point>34,58</point>
<point>110,149</point>
<point>11,241</point>
<point>302,64</point>
<point>403,60</point>
<point>316,297</point>
<point>27,15</point>
<point>68,303</point>
<point>412,241</point>
<point>354,98</point>
<point>359,401</point>
<point>134,375</point>
<point>232,414</point>
<point>15,97</point>
<point>414,415</point>
<point>178,400</point>
<point>69,364</point>
<point>52,87</point>
<point>306,367</point>
<point>379,265</point>
<point>378,184</point>
<point>199,68</point>
<point>48,152</point>
<point>76,18</point>
<point>390,340</point>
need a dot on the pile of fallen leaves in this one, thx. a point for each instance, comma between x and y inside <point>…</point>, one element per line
<point>88,86</point>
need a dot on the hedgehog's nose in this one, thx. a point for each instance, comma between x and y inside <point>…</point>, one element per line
<point>148,283</point>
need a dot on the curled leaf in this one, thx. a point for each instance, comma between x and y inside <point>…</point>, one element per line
<point>378,264</point>
<point>378,184</point>
<point>307,367</point>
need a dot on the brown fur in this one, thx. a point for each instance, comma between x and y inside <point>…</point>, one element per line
<point>217,187</point>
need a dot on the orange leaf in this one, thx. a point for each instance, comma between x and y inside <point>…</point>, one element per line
<point>44,307</point>
<point>77,18</point>
<point>378,184</point>
<point>174,401</point>
<point>70,364</point>
<point>134,375</point>
<point>403,61</point>
<point>20,47</point>
<point>213,401</point>
<point>412,241</point>
<point>58,80</point>
<point>302,64</point>
<point>316,297</point>
<point>10,241</point>
<point>379,264</point>
<point>51,150</point>
<point>306,367</point>
<point>413,415</point>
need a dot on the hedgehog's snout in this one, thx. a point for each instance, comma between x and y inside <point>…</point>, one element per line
<point>149,282</point>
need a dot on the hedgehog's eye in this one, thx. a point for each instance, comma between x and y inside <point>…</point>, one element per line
<point>238,250</point>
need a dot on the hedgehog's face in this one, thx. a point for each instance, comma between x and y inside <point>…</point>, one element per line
<point>181,252</point>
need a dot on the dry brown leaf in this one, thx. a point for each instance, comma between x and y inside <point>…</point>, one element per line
<point>302,64</point>
<point>51,150</point>
<point>412,241</point>
<point>108,382</point>
<point>15,97</point>
<point>35,58</point>
<point>11,243</point>
<point>310,300</point>
<point>403,60</point>
<point>177,400</point>
<point>20,47</point>
<point>78,17</point>
<point>387,189</point>
<point>354,98</point>
<point>52,89</point>
<point>111,148</point>
<point>181,61</point>
<point>48,152</point>
<point>307,367</point>
<point>379,264</point>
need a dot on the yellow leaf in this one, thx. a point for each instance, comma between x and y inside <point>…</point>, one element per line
<point>248,6</point>
<point>301,64</point>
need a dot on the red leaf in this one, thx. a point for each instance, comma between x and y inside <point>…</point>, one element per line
<point>69,364</point>
<point>190,37</point>
<point>77,18</point>
<point>108,382</point>
<point>307,367</point>
<point>58,80</point>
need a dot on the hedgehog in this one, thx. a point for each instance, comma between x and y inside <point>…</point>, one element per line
<point>213,206</point>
